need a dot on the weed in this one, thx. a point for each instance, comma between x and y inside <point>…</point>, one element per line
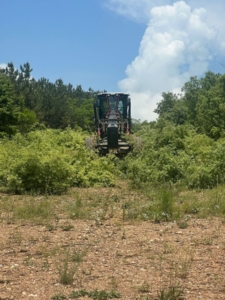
<point>183,266</point>
<point>45,265</point>
<point>59,297</point>
<point>33,210</point>
<point>77,210</point>
<point>103,295</point>
<point>96,294</point>
<point>49,252</point>
<point>208,240</point>
<point>124,213</point>
<point>167,248</point>
<point>88,271</point>
<point>29,261</point>
<point>123,235</point>
<point>77,294</point>
<point>66,270</point>
<point>171,293</point>
<point>166,204</point>
<point>16,237</point>
<point>125,207</point>
<point>67,227</point>
<point>77,256</point>
<point>116,198</point>
<point>114,283</point>
<point>182,224</point>
<point>144,287</point>
<point>50,227</point>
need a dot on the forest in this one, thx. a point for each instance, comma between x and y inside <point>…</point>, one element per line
<point>43,126</point>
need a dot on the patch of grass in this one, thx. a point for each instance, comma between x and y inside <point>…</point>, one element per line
<point>166,204</point>
<point>183,265</point>
<point>45,265</point>
<point>66,270</point>
<point>171,293</point>
<point>77,256</point>
<point>157,205</point>
<point>67,227</point>
<point>29,261</point>
<point>77,294</point>
<point>50,227</point>
<point>182,224</point>
<point>96,294</point>
<point>49,252</point>
<point>168,248</point>
<point>208,240</point>
<point>144,287</point>
<point>114,283</point>
<point>6,208</point>
<point>33,210</point>
<point>59,297</point>
<point>76,209</point>
<point>16,237</point>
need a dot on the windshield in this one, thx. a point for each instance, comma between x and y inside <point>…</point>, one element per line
<point>112,103</point>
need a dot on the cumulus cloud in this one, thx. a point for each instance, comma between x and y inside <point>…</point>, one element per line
<point>180,41</point>
<point>3,66</point>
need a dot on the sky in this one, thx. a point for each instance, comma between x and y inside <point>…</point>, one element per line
<point>140,47</point>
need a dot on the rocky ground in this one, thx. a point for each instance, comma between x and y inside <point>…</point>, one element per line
<point>57,259</point>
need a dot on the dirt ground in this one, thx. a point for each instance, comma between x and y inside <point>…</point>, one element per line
<point>137,259</point>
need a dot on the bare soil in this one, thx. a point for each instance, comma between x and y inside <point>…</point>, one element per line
<point>137,259</point>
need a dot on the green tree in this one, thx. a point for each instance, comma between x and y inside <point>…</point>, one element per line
<point>191,93</point>
<point>166,104</point>
<point>27,118</point>
<point>210,109</point>
<point>172,108</point>
<point>8,111</point>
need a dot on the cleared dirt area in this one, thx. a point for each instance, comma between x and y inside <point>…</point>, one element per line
<point>58,256</point>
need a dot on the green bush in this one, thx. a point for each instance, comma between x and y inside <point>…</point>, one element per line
<point>51,161</point>
<point>176,155</point>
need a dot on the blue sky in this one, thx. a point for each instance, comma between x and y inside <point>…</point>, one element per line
<point>144,47</point>
<point>80,41</point>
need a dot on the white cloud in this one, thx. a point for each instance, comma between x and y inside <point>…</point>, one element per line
<point>137,10</point>
<point>3,66</point>
<point>180,41</point>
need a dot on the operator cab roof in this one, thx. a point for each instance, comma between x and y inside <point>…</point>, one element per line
<point>113,93</point>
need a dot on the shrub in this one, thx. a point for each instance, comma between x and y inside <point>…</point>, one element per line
<point>176,155</point>
<point>51,161</point>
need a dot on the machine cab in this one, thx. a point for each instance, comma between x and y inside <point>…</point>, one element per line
<point>112,121</point>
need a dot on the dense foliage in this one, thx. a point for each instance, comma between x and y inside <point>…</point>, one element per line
<point>177,154</point>
<point>185,146</point>
<point>51,161</point>
<point>54,105</point>
<point>202,104</point>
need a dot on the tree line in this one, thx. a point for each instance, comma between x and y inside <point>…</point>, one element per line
<point>200,104</point>
<point>26,103</point>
